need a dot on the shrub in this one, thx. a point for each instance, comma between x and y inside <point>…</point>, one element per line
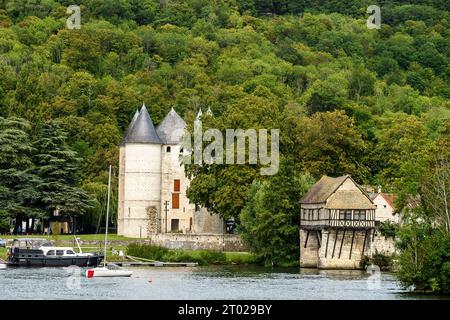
<point>388,229</point>
<point>378,259</point>
<point>146,251</point>
<point>213,257</point>
<point>426,263</point>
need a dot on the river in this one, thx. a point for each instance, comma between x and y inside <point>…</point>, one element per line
<point>198,283</point>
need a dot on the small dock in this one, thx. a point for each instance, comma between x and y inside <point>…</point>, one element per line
<point>141,262</point>
<point>154,264</point>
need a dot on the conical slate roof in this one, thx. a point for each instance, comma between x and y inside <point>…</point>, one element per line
<point>143,130</point>
<point>171,129</point>
<point>133,121</point>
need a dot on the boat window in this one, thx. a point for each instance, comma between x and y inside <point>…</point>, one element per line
<point>59,252</point>
<point>70,252</point>
<point>51,253</point>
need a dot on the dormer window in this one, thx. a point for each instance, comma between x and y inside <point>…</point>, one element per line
<point>168,149</point>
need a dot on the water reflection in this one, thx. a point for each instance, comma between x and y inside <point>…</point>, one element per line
<point>214,282</point>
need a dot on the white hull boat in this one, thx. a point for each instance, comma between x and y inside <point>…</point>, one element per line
<point>105,272</point>
<point>2,266</point>
<point>108,270</point>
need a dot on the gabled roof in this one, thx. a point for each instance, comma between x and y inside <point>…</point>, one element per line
<point>142,130</point>
<point>323,189</point>
<point>171,129</point>
<point>326,190</point>
<point>389,198</point>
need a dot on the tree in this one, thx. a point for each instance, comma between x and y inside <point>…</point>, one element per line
<point>270,218</point>
<point>435,191</point>
<point>56,165</point>
<point>329,143</point>
<point>403,152</point>
<point>18,184</point>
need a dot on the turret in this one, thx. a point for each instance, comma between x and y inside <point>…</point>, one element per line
<point>140,178</point>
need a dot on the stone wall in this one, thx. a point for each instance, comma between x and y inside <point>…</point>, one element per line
<point>342,252</point>
<point>207,223</point>
<point>224,242</point>
<point>309,249</point>
<point>382,245</point>
<point>333,248</point>
<point>232,242</point>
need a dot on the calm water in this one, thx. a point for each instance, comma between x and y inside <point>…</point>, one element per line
<point>198,283</point>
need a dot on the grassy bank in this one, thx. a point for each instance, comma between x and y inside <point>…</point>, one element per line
<point>3,253</point>
<point>202,257</point>
<point>69,237</point>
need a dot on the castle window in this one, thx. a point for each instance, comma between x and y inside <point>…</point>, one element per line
<point>168,149</point>
<point>174,225</point>
<point>181,150</point>
<point>175,200</point>
<point>176,185</point>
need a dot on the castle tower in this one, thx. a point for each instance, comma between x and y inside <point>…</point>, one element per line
<point>140,178</point>
<point>177,212</point>
<point>153,183</point>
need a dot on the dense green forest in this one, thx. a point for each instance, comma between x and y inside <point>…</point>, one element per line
<point>373,103</point>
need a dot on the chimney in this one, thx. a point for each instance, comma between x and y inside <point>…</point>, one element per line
<point>379,189</point>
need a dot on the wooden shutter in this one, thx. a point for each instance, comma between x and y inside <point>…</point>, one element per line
<point>175,200</point>
<point>176,185</point>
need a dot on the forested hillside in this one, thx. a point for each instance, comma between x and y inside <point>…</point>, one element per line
<point>348,100</point>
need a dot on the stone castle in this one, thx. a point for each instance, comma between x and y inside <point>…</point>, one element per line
<point>153,184</point>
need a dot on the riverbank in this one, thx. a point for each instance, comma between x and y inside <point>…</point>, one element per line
<point>93,243</point>
<point>202,257</point>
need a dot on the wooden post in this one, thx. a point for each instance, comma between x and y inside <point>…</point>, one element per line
<point>342,242</point>
<point>326,248</point>
<point>364,244</point>
<point>307,236</point>
<point>351,246</point>
<point>335,240</point>
<point>319,238</point>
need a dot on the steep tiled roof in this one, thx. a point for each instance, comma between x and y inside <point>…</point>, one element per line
<point>133,121</point>
<point>323,189</point>
<point>142,130</point>
<point>171,129</point>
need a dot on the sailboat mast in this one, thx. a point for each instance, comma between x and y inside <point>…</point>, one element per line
<point>107,214</point>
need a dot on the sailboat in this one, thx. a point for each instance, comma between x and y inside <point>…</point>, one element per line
<point>108,270</point>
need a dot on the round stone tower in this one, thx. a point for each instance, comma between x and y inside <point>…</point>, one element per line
<point>177,212</point>
<point>140,178</point>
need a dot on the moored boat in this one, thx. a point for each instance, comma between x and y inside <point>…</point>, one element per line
<point>108,270</point>
<point>33,252</point>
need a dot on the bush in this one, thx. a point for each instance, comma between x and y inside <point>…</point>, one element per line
<point>425,263</point>
<point>146,251</point>
<point>378,259</point>
<point>181,256</point>
<point>202,257</point>
<point>213,257</point>
<point>388,229</point>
